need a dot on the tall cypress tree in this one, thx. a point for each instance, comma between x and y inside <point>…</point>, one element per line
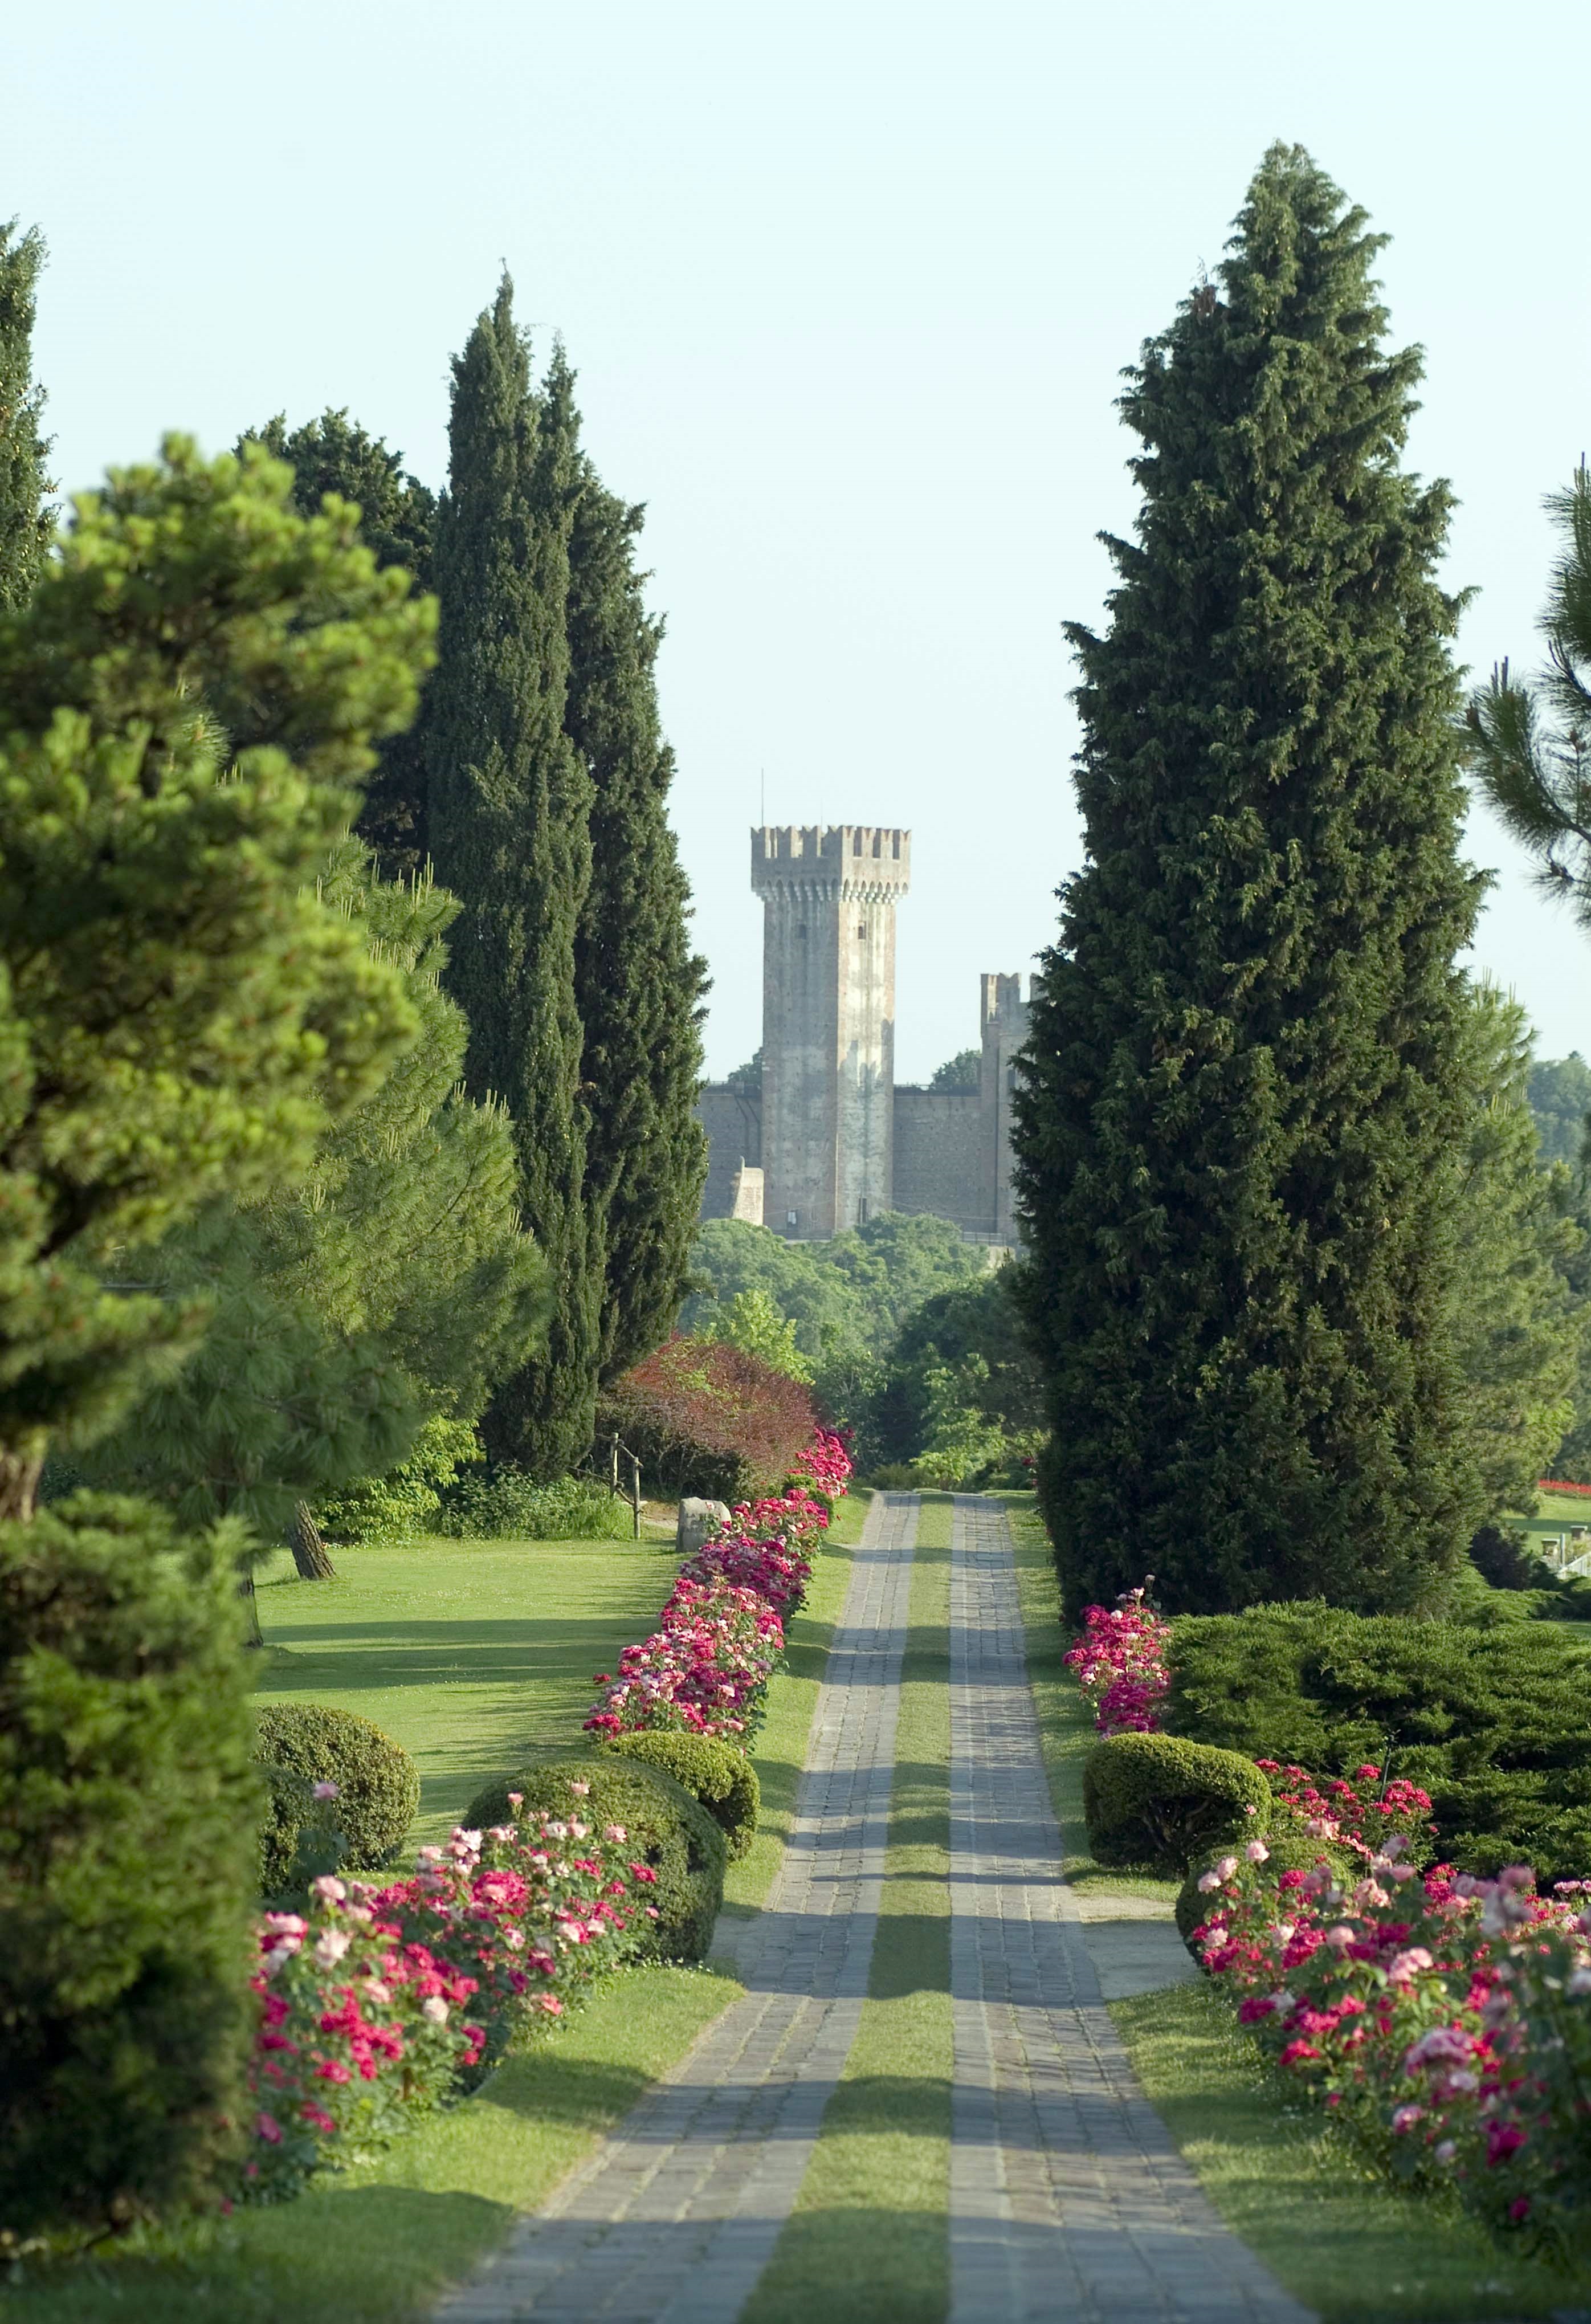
<point>25,528</point>
<point>510,813</point>
<point>397,523</point>
<point>1246,1094</point>
<point>640,986</point>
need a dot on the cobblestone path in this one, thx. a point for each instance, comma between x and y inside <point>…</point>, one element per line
<point>1068,2199</point>
<point>677,2215</point>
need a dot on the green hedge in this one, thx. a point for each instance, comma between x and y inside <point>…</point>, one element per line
<point>378,1786</point>
<point>1494,1724</point>
<point>127,1814</point>
<point>667,1829</point>
<point>722,1778</point>
<point>1156,1800</point>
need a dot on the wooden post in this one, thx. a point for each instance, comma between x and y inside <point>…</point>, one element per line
<point>635,1492</point>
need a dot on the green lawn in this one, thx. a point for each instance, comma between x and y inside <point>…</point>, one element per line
<point>475,1655</point>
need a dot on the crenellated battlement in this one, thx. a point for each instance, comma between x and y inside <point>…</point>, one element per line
<point>839,859</point>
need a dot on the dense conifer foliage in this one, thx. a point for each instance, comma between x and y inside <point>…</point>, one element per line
<point>25,528</point>
<point>189,690</point>
<point>511,830</point>
<point>1246,1092</point>
<point>398,522</point>
<point>639,986</point>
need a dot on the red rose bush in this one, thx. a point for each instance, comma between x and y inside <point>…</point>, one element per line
<point>706,1669</point>
<point>1121,1663</point>
<point>1445,2020</point>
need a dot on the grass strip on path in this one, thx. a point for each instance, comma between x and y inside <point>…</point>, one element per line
<point>779,1753</point>
<point>1339,2234</point>
<point>868,2240</point>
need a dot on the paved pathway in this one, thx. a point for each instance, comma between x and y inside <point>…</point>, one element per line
<point>677,2215</point>
<point>1068,2199</point>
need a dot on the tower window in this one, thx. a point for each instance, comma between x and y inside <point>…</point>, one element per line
<point>862,929</point>
<point>801,930</point>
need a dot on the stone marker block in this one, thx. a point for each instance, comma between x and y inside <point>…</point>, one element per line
<point>697,1519</point>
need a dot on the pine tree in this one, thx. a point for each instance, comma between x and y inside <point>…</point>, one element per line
<point>24,526</point>
<point>639,985</point>
<point>510,821</point>
<point>180,1015</point>
<point>1245,1094</point>
<point>391,1286</point>
<point>398,522</point>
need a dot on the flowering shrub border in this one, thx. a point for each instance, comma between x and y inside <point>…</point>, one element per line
<point>1120,1663</point>
<point>1445,2020</point>
<point>706,1669</point>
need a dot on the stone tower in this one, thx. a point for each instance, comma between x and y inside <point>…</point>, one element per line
<point>828,1022</point>
<point>1004,1014</point>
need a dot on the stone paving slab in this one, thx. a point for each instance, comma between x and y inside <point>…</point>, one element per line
<point>1069,2200</point>
<point>676,2214</point>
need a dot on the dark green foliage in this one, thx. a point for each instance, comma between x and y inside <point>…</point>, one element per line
<point>24,526</point>
<point>1520,1332</point>
<point>504,1504</point>
<point>1292,1850</point>
<point>638,987</point>
<point>1245,1095</point>
<point>1558,1091</point>
<point>127,1816</point>
<point>977,1319</point>
<point>1491,1722</point>
<point>180,1016</point>
<point>1504,1561</point>
<point>389,1289</point>
<point>1159,1800</point>
<point>857,1289</point>
<point>378,1784</point>
<point>510,825</point>
<point>958,1073</point>
<point>723,1779</point>
<point>668,1830</point>
<point>291,1808</point>
<point>397,523</point>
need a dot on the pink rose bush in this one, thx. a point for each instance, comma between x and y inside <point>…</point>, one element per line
<point>1352,1814</point>
<point>706,1669</point>
<point>1120,1663</point>
<point>1445,2020</point>
<point>379,2003</point>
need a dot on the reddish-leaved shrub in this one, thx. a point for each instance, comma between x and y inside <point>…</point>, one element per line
<point>708,1418</point>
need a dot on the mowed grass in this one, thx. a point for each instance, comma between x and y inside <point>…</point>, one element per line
<point>476,1656</point>
<point>380,2245</point>
<point>868,2239</point>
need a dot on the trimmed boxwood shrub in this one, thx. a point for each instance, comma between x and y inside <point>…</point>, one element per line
<point>1493,1723</point>
<point>722,1778</point>
<point>1292,1850</point>
<point>667,1829</point>
<point>378,1784</point>
<point>127,1815</point>
<point>1157,1800</point>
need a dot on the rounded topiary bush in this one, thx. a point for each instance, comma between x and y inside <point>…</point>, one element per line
<point>667,1829</point>
<point>127,1813</point>
<point>378,1784</point>
<point>722,1778</point>
<point>1292,1850</point>
<point>1160,1799</point>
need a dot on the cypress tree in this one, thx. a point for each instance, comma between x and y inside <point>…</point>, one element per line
<point>510,806</point>
<point>25,528</point>
<point>397,523</point>
<point>639,985</point>
<point>1245,1096</point>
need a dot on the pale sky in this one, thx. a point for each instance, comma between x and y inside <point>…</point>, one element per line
<point>848,289</point>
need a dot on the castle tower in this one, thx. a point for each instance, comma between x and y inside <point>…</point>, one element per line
<point>1005,1029</point>
<point>828,1022</point>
